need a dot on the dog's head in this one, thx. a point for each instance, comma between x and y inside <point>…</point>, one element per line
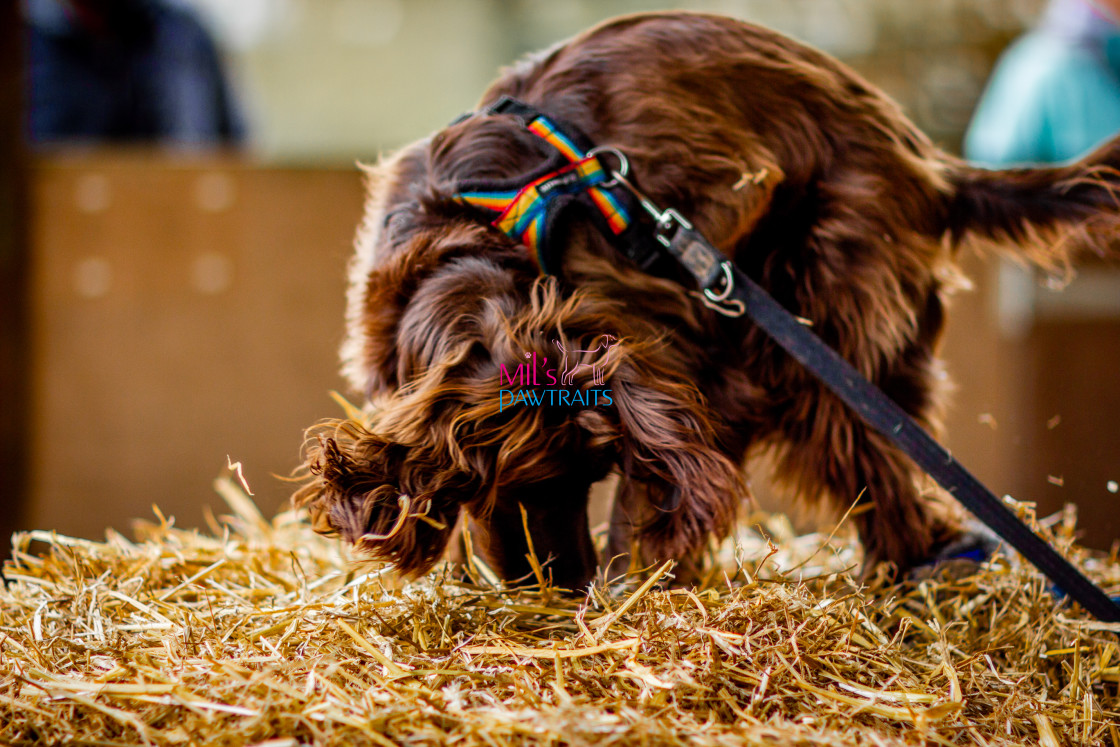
<point>501,394</point>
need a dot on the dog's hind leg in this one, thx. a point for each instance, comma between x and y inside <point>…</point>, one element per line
<point>899,520</point>
<point>827,452</point>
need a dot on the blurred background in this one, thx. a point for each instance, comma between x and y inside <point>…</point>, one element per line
<point>178,196</point>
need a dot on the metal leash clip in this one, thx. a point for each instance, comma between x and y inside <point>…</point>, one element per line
<point>710,268</point>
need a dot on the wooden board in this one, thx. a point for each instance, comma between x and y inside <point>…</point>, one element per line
<point>184,309</point>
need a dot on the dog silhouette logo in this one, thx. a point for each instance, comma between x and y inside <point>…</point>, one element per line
<point>608,343</point>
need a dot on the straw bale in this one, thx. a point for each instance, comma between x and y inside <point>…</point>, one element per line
<point>260,632</point>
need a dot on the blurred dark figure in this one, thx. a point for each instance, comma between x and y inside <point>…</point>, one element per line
<point>1055,93</point>
<point>125,70</point>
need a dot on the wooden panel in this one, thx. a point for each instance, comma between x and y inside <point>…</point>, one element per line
<point>184,309</point>
<point>1037,415</point>
<point>1074,443</point>
<point>985,419</point>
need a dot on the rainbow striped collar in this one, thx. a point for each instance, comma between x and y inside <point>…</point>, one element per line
<point>528,213</point>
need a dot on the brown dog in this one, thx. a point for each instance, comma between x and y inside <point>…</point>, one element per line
<point>811,180</point>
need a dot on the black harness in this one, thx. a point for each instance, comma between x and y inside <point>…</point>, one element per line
<point>727,290</point>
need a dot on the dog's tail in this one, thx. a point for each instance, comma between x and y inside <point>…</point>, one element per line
<point>1050,215</point>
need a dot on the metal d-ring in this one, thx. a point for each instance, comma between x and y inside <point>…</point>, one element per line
<point>722,301</point>
<point>728,284</point>
<point>618,174</point>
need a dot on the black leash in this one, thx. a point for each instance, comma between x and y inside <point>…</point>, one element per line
<point>877,410</point>
<point>726,289</point>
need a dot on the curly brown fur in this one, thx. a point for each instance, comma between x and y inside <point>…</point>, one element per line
<point>804,174</point>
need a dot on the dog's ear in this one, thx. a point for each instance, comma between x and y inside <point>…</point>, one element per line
<point>384,498</point>
<point>668,442</point>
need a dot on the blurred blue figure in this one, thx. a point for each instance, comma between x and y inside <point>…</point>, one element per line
<point>135,70</point>
<point>1055,93</point>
